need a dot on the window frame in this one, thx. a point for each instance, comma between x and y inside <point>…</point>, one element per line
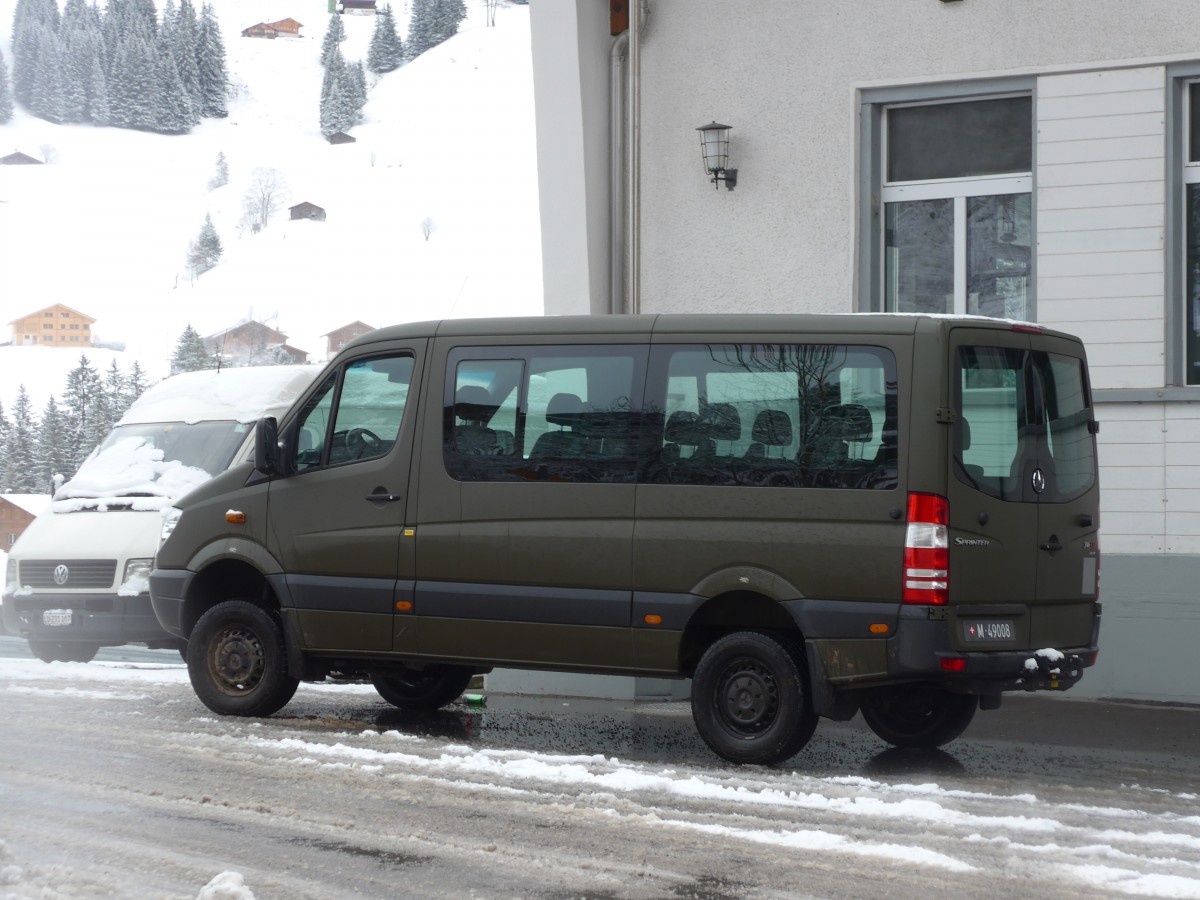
<point>875,191</point>
<point>1182,173</point>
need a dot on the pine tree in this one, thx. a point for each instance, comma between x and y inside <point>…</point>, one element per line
<point>185,45</point>
<point>386,51</point>
<point>190,353</point>
<point>420,28</point>
<point>210,65</point>
<point>116,386</point>
<point>221,178</point>
<point>20,448</point>
<point>52,459</point>
<point>79,402</point>
<point>447,14</point>
<point>334,35</point>
<point>357,79</point>
<point>206,249</point>
<point>339,106</point>
<point>6,100</point>
<point>46,93</point>
<point>174,113</point>
<point>98,112</point>
<point>135,383</point>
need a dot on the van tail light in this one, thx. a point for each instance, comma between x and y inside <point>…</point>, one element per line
<point>927,550</point>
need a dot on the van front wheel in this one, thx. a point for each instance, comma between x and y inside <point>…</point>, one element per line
<point>429,688</point>
<point>920,716</point>
<point>750,698</point>
<point>237,663</point>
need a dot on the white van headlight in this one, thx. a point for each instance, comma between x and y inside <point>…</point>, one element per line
<point>170,520</point>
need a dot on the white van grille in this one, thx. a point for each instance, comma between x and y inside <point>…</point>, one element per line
<point>67,573</point>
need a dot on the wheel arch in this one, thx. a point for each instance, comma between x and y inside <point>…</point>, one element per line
<point>226,579</point>
<point>735,610</point>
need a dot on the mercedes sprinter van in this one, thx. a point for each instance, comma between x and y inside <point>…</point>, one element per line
<point>805,515</point>
<point>78,577</point>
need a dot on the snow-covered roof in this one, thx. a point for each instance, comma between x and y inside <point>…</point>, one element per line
<point>31,503</point>
<point>240,394</point>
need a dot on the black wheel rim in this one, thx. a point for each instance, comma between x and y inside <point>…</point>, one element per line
<point>747,697</point>
<point>237,661</point>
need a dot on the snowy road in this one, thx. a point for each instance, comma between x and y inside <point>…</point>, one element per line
<point>115,781</point>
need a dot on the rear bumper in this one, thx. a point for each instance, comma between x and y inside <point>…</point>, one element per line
<point>105,619</point>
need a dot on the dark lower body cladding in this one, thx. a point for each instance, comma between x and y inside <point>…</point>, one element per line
<point>169,587</point>
<point>102,619</point>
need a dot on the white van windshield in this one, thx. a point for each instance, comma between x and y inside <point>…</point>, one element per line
<point>160,460</point>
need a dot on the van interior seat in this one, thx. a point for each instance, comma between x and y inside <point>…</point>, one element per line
<point>719,422</point>
<point>772,428</point>
<point>683,429</point>
<point>565,411</point>
<point>975,472</point>
<point>473,405</point>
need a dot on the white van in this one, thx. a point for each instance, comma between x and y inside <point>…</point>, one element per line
<point>77,578</point>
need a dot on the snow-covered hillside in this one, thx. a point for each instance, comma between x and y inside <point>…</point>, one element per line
<point>449,138</point>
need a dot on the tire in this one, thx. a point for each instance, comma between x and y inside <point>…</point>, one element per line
<point>750,698</point>
<point>921,716</point>
<point>429,688</point>
<point>237,662</point>
<point>64,651</point>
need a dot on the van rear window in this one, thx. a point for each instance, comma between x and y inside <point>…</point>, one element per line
<point>1019,411</point>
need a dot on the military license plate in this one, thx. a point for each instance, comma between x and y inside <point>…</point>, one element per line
<point>988,630</point>
<point>56,617</point>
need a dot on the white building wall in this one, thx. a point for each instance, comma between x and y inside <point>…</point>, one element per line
<point>789,77</point>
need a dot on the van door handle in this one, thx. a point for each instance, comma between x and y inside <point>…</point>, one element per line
<point>382,497</point>
<point>1052,545</point>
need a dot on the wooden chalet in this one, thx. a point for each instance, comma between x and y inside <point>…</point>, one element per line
<point>16,512</point>
<point>249,344</point>
<point>17,158</point>
<point>54,326</point>
<point>286,27</point>
<point>307,210</point>
<point>340,337</point>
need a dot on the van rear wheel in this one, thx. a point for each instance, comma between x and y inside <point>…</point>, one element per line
<point>920,716</point>
<point>429,688</point>
<point>750,698</point>
<point>237,662</point>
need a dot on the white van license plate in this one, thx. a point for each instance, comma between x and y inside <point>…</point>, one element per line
<point>982,630</point>
<point>56,617</point>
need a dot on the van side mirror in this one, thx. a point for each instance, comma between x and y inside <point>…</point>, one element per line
<point>266,445</point>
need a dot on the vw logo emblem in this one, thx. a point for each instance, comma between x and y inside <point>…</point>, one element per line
<point>1039,481</point>
<point>61,574</point>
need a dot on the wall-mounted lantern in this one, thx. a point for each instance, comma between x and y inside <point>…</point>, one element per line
<point>714,145</point>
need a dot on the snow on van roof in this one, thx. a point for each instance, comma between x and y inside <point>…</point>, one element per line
<point>238,394</point>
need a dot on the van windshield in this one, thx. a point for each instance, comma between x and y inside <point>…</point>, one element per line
<point>1019,411</point>
<point>155,460</point>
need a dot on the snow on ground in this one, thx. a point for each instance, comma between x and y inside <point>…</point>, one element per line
<point>1137,848</point>
<point>105,227</point>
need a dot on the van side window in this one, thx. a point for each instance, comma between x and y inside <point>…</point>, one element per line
<point>355,414</point>
<point>566,414</point>
<point>775,415</point>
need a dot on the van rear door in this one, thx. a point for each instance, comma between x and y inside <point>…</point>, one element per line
<point>1023,494</point>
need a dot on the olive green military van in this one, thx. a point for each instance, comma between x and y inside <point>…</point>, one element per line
<point>806,515</point>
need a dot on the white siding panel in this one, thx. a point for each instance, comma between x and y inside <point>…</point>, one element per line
<point>1125,375</point>
<point>1097,286</point>
<point>1051,131</point>
<point>1103,241</point>
<point>1131,433</point>
<point>1120,171</point>
<point>1179,454</point>
<point>1148,215</point>
<point>1183,477</point>
<point>1067,312</point>
<point>1092,196</point>
<point>1133,501</point>
<point>1132,478</point>
<point>1114,262</point>
<point>1180,544</point>
<point>1185,431</point>
<point>1183,500</point>
<point>1111,542</point>
<point>1148,78</point>
<point>1113,455</point>
<point>1142,146</point>
<point>1138,524</point>
<point>1097,332</point>
<point>1088,106</point>
<point>1187,523</point>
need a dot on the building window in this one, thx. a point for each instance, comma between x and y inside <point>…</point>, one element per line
<point>956,180</point>
<point>1191,185</point>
